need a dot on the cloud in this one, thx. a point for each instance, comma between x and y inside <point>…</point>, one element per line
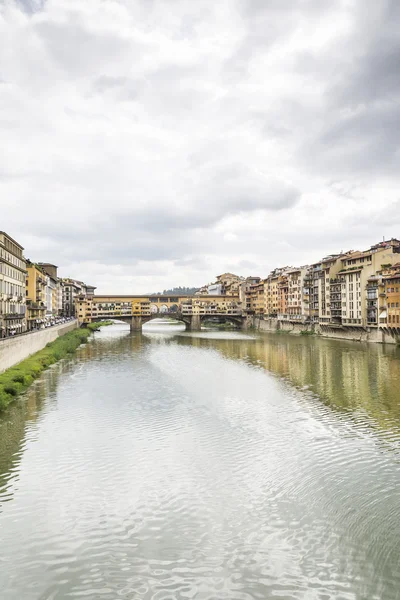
<point>358,132</point>
<point>31,6</point>
<point>151,144</point>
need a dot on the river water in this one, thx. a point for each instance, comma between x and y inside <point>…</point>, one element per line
<point>165,465</point>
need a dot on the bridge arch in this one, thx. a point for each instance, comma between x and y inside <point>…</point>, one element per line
<point>232,319</point>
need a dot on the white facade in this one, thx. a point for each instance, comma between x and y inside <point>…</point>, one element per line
<point>48,296</point>
<point>215,289</point>
<point>352,297</point>
<point>59,297</point>
<point>12,287</point>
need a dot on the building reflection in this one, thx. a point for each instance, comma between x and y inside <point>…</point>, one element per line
<point>345,376</point>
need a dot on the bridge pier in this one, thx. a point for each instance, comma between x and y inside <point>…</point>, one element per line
<point>194,323</point>
<point>247,322</point>
<point>136,324</point>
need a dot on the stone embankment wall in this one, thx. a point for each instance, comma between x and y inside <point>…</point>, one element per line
<point>274,325</point>
<point>15,349</point>
<point>354,334</point>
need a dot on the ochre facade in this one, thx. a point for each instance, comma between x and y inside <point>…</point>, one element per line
<point>89,309</point>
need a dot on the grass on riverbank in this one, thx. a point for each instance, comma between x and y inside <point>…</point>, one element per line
<point>96,326</point>
<point>17,379</point>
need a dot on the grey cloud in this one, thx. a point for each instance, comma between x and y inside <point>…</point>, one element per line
<point>255,7</point>
<point>362,144</point>
<point>31,6</point>
<point>248,265</point>
<point>76,46</point>
<point>268,22</point>
<point>126,88</point>
<point>105,82</point>
<point>359,124</point>
<point>387,216</point>
<point>374,76</point>
<point>242,189</point>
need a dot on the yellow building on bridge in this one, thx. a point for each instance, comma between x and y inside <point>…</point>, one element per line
<point>137,310</point>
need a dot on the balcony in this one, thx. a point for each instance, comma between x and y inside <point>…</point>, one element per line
<point>35,305</point>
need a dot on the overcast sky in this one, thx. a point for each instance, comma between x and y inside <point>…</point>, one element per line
<point>151,143</point>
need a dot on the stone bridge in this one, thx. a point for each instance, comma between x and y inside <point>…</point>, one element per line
<point>138,310</point>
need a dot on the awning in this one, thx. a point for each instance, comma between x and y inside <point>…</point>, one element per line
<point>383,315</point>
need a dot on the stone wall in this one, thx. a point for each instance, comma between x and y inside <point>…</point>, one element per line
<point>269,324</point>
<point>15,349</point>
<point>272,324</point>
<point>357,334</point>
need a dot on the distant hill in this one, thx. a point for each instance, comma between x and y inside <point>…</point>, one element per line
<point>179,291</point>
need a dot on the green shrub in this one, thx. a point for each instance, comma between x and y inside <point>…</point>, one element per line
<point>11,390</point>
<point>96,326</point>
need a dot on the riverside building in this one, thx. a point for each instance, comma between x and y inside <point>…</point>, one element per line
<point>329,290</point>
<point>271,293</point>
<point>255,297</point>
<point>392,296</point>
<point>297,308</point>
<point>53,290</point>
<point>71,290</point>
<point>12,286</point>
<point>35,296</point>
<point>355,276</point>
<point>229,283</point>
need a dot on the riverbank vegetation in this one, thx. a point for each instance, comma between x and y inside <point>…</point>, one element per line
<point>17,379</point>
<point>216,325</point>
<point>96,326</point>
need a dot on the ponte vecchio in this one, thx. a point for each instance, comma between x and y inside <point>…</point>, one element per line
<point>138,310</point>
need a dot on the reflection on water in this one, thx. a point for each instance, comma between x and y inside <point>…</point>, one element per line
<point>209,465</point>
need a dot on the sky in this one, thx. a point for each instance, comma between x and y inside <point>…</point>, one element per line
<point>147,144</point>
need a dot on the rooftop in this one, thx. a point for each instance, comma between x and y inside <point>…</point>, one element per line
<point>45,264</point>
<point>11,239</point>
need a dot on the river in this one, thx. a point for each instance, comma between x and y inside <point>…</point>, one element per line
<point>217,465</point>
